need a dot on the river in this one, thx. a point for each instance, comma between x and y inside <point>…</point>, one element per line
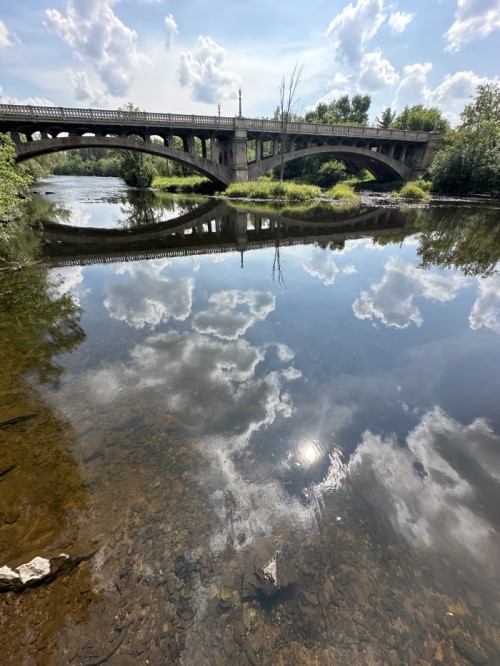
<point>257,436</point>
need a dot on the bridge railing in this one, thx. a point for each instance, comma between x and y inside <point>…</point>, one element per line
<point>63,115</point>
<point>274,126</point>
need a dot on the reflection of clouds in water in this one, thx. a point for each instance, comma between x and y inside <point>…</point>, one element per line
<point>147,297</point>
<point>486,310</point>
<point>391,300</point>
<point>434,487</point>
<point>226,320</point>
<point>80,216</point>
<point>212,384</point>
<point>321,265</point>
<point>69,281</point>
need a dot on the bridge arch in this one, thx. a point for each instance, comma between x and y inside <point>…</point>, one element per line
<point>217,173</point>
<point>382,166</point>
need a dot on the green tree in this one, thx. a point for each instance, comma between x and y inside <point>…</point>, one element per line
<point>386,118</point>
<point>421,118</point>
<point>343,111</point>
<point>471,161</point>
<point>14,185</point>
<point>136,168</point>
<point>485,106</point>
<point>330,173</point>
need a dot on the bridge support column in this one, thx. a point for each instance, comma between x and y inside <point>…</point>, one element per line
<point>258,149</point>
<point>403,154</point>
<point>425,155</point>
<point>238,150</point>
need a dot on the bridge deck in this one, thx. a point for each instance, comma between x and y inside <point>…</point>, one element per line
<point>11,114</point>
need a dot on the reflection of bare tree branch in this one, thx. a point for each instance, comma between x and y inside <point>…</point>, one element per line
<point>277,264</point>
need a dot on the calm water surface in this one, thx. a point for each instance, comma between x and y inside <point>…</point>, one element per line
<point>287,453</point>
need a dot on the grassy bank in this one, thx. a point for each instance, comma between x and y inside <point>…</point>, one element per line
<point>197,184</point>
<point>269,189</point>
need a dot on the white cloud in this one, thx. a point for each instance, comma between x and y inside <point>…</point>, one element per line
<point>33,101</point>
<point>399,21</point>
<point>431,488</point>
<point>97,35</point>
<point>148,297</point>
<point>486,310</point>
<point>354,27</point>
<point>83,89</point>
<point>376,72</point>
<point>204,72</point>
<point>457,87</point>
<point>391,300</point>
<point>5,36</point>
<point>226,319</point>
<point>473,20</point>
<point>172,30</point>
<point>413,86</point>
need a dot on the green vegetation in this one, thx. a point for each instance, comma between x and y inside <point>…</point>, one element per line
<point>18,242</point>
<point>88,162</point>
<point>411,191</point>
<point>471,161</point>
<point>343,111</point>
<point>269,189</point>
<point>182,184</point>
<point>343,192</point>
<point>421,118</point>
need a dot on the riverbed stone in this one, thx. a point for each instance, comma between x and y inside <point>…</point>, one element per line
<point>267,570</point>
<point>9,579</point>
<point>34,571</point>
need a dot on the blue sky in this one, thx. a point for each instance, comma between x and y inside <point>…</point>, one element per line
<point>189,56</point>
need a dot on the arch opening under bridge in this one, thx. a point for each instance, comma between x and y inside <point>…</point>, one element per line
<point>219,174</point>
<point>383,167</point>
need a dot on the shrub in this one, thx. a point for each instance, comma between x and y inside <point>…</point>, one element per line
<point>412,191</point>
<point>343,192</point>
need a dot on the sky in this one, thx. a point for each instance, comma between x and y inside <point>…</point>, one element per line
<point>190,56</point>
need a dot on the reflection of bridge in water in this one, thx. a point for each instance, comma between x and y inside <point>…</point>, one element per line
<point>217,227</point>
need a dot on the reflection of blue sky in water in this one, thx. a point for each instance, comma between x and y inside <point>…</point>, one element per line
<point>296,382</point>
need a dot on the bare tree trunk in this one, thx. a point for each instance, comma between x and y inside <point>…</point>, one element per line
<point>287,102</point>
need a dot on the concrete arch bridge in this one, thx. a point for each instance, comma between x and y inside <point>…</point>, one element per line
<point>215,146</point>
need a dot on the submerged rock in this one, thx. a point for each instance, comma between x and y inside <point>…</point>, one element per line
<point>267,570</point>
<point>37,570</point>
<point>34,570</point>
<point>9,579</point>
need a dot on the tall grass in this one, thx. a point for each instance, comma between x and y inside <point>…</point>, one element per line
<point>259,189</point>
<point>182,184</point>
<point>412,191</point>
<point>343,192</point>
